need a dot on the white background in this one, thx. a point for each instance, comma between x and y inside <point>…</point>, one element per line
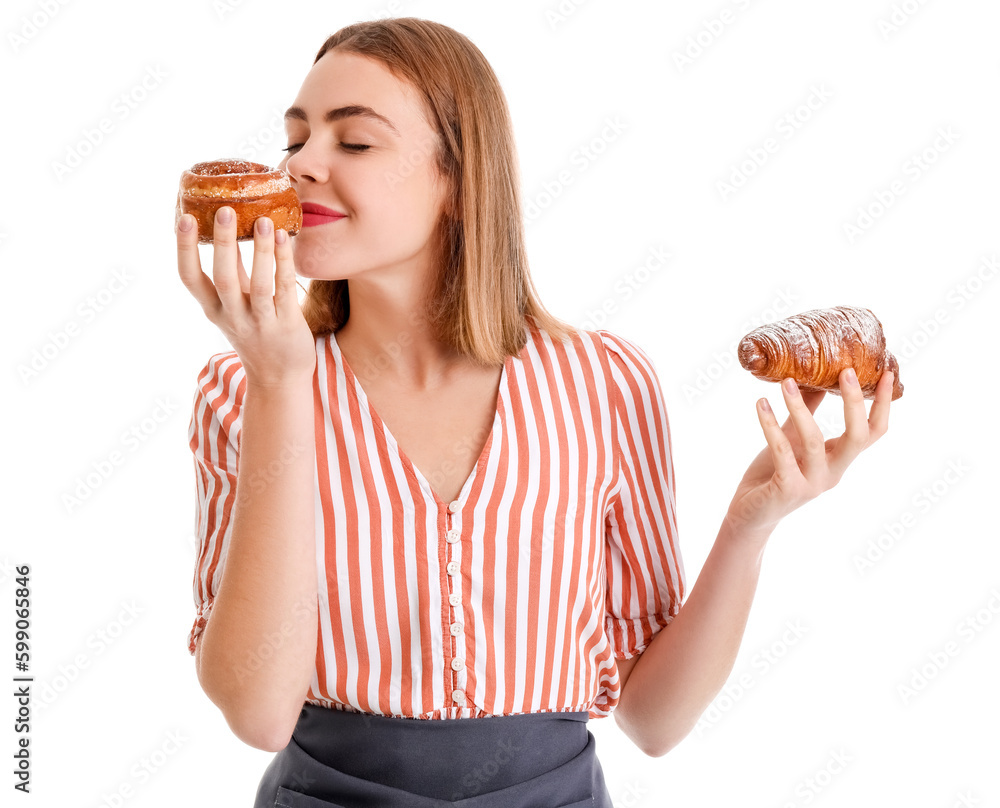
<point>111,576</point>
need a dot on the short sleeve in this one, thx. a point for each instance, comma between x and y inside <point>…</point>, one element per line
<point>214,438</point>
<point>643,565</point>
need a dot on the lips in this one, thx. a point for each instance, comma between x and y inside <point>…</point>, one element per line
<point>313,214</point>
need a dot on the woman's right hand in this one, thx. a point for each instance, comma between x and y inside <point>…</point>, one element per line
<point>269,334</point>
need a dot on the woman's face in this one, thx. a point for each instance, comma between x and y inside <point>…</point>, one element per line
<point>361,146</point>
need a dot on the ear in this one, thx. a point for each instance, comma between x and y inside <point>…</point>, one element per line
<point>452,204</point>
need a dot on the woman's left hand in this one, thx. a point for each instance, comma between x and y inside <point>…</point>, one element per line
<point>798,464</point>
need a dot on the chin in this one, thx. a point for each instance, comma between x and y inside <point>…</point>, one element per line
<point>313,258</point>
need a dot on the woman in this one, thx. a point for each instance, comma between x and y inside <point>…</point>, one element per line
<point>451,506</point>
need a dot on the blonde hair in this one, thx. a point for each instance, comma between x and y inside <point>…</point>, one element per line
<point>484,295</point>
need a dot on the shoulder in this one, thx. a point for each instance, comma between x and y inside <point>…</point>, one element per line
<point>222,371</point>
<point>604,343</point>
<point>624,351</point>
<point>631,368</point>
<point>633,375</point>
<point>219,394</point>
<point>610,358</point>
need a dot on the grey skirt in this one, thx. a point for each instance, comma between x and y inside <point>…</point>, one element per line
<point>342,759</point>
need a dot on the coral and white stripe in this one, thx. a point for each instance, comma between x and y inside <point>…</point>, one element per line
<point>567,554</point>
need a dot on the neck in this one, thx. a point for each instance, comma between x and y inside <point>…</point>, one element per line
<point>388,336</point>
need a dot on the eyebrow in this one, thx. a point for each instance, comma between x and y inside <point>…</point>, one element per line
<point>352,111</point>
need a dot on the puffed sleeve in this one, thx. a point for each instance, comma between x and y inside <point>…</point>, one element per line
<point>643,565</point>
<point>214,438</point>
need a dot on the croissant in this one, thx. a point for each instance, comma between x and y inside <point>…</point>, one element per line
<point>815,346</point>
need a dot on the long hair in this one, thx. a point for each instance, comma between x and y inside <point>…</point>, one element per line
<point>483,295</point>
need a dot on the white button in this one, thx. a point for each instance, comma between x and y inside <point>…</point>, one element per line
<point>454,599</point>
<point>457,664</point>
<point>458,695</point>
<point>453,536</point>
<point>456,629</point>
<point>452,568</point>
<point>454,506</point>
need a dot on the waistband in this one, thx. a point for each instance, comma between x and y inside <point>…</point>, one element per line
<point>503,750</point>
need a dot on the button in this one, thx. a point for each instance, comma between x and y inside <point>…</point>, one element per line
<point>458,696</point>
<point>455,506</point>
<point>452,568</point>
<point>457,664</point>
<point>453,536</point>
<point>454,599</point>
<point>456,629</point>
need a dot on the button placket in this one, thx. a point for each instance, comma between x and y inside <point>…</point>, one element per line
<point>453,547</point>
<point>452,537</point>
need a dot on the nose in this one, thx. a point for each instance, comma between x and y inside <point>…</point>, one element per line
<point>305,166</point>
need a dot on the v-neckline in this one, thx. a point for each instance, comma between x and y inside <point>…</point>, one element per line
<point>359,392</point>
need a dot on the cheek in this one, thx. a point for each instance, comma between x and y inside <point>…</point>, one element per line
<point>391,201</point>
<point>421,196</point>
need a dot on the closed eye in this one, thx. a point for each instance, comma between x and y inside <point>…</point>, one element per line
<point>354,147</point>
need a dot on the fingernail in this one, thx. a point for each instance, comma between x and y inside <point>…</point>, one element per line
<point>185,223</point>
<point>280,236</point>
<point>791,386</point>
<point>852,377</point>
<point>764,405</point>
<point>264,226</point>
<point>225,215</point>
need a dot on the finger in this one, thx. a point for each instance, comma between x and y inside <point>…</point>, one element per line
<point>786,468</point>
<point>261,297</point>
<point>855,438</point>
<point>224,261</point>
<point>286,300</point>
<point>878,418</point>
<point>189,266</point>
<point>241,271</point>
<point>812,398</point>
<point>810,436</point>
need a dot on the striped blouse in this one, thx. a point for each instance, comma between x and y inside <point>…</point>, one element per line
<point>559,556</point>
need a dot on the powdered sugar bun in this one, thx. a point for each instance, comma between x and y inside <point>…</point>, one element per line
<point>251,189</point>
